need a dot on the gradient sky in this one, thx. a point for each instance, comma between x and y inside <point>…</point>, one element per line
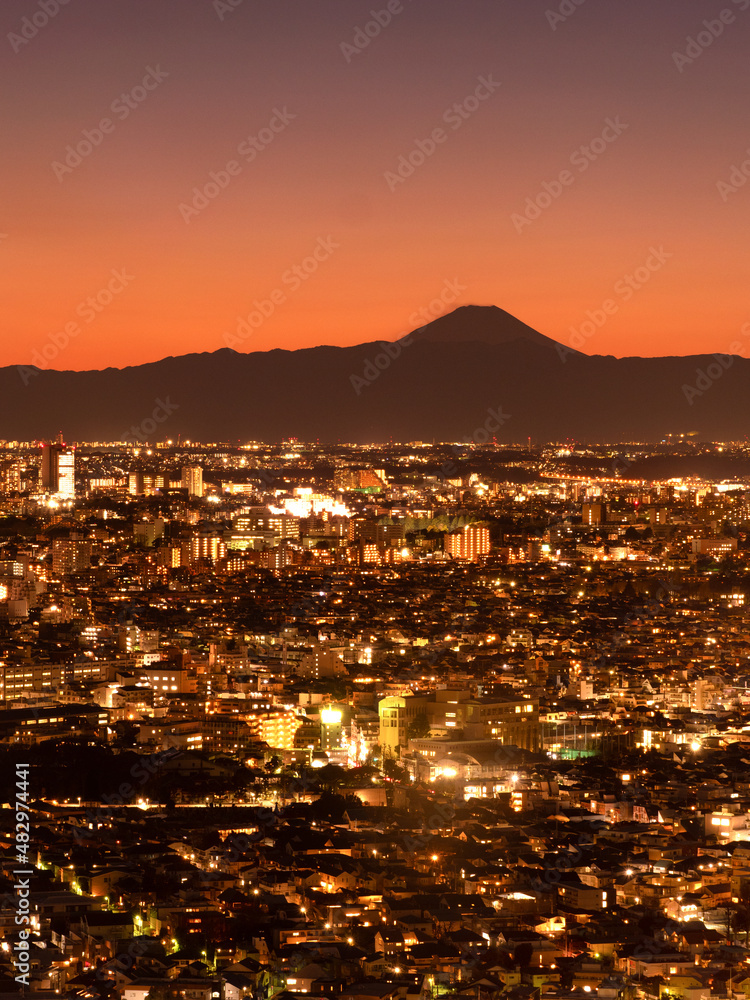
<point>324,176</point>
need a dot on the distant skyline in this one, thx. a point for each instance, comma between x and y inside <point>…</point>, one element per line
<point>332,168</point>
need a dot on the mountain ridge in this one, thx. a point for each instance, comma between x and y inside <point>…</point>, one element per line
<point>441,383</point>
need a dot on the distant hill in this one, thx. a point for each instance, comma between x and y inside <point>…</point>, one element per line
<point>473,374</point>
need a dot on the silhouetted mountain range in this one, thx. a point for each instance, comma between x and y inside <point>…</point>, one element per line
<point>475,372</point>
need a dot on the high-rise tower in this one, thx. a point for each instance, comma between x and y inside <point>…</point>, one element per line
<point>58,470</point>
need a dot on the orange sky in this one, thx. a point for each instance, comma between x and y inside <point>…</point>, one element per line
<point>185,85</point>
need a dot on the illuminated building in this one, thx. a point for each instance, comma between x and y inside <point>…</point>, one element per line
<point>470,543</point>
<point>71,555</point>
<point>169,556</point>
<point>593,513</point>
<point>166,678</point>
<point>321,662</point>
<point>226,733</point>
<point>360,480</point>
<point>276,727</point>
<point>207,545</point>
<point>145,483</point>
<point>10,477</point>
<point>192,480</point>
<point>277,525</point>
<point>396,713</point>
<point>716,547</point>
<point>368,553</point>
<point>330,728</point>
<point>365,734</point>
<point>66,482</point>
<point>58,471</point>
<point>20,679</point>
<point>511,721</point>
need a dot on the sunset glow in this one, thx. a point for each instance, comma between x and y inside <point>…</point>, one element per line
<point>208,151</point>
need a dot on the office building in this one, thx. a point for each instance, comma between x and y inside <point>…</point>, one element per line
<point>192,480</point>
<point>58,471</point>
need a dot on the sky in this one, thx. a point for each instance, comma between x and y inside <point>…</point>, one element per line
<point>187,175</point>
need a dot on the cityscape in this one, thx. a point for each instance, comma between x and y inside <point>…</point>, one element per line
<point>420,720</point>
